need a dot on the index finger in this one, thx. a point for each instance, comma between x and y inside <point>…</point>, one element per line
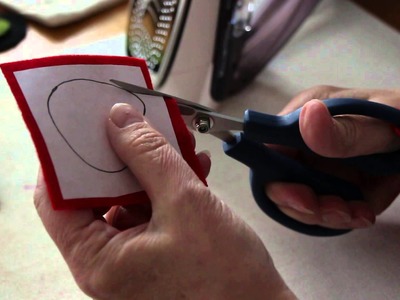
<point>344,136</point>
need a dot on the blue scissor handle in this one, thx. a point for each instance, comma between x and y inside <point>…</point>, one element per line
<point>284,130</point>
<point>268,165</point>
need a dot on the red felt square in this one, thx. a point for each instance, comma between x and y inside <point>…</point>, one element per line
<point>55,96</point>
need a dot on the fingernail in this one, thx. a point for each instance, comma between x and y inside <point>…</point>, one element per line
<point>123,115</point>
<point>302,209</point>
<point>336,217</point>
<point>296,206</point>
<point>361,223</point>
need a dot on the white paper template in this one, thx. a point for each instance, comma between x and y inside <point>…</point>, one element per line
<point>71,105</point>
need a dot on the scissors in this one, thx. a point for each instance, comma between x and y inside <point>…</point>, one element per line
<point>244,140</point>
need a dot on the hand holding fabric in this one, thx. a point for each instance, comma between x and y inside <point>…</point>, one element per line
<point>186,244</point>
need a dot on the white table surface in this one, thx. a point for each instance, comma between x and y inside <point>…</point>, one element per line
<point>339,45</point>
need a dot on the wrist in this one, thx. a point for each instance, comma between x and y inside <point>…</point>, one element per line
<point>258,284</point>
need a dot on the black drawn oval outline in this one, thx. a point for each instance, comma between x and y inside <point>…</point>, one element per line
<point>54,89</point>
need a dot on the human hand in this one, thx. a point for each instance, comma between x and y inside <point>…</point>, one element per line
<point>185,244</point>
<point>341,136</point>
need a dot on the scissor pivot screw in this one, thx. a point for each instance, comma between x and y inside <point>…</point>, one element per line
<point>202,124</point>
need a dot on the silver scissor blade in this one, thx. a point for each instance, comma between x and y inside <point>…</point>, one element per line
<point>219,125</point>
<point>210,122</point>
<point>224,123</point>
<point>145,91</point>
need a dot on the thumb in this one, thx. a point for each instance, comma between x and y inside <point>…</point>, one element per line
<point>344,136</point>
<point>160,170</point>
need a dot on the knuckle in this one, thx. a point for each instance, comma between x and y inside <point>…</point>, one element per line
<point>94,285</point>
<point>150,148</point>
<point>39,196</point>
<point>322,87</point>
<point>145,140</point>
<point>41,202</point>
<point>320,91</point>
<point>38,201</point>
<point>203,203</point>
<point>348,133</point>
<point>86,262</point>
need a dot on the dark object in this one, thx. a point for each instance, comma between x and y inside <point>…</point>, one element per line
<point>249,34</point>
<point>15,33</point>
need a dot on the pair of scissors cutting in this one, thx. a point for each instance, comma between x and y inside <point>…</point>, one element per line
<point>245,140</point>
